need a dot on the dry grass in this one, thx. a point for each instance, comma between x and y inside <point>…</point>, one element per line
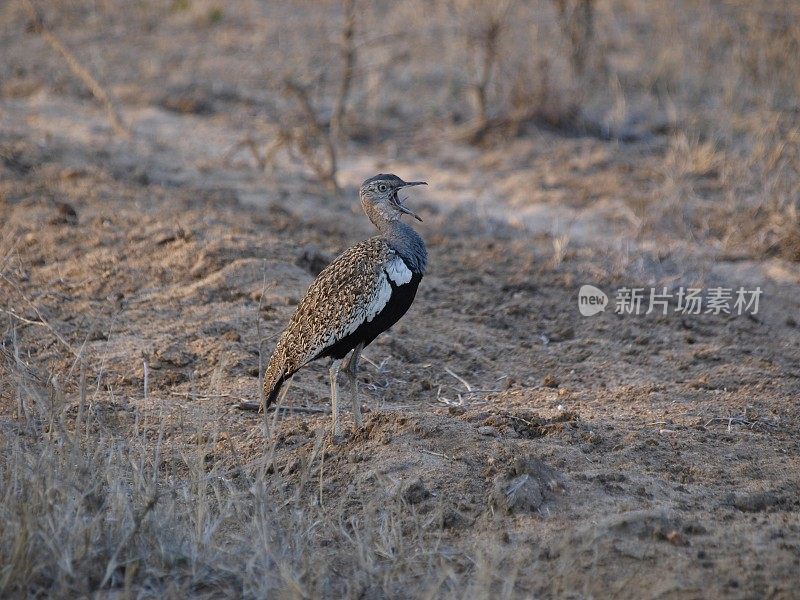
<point>109,505</point>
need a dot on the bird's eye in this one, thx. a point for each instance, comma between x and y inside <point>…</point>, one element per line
<point>382,187</point>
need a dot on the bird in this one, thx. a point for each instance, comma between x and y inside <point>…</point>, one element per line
<point>358,296</point>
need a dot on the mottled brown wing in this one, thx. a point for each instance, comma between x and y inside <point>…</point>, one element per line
<point>344,294</point>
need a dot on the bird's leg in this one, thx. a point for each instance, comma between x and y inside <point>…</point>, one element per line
<point>333,371</point>
<point>352,372</point>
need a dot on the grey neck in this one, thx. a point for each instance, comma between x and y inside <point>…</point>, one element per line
<point>402,238</point>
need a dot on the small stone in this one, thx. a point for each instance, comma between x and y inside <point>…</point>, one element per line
<point>488,430</point>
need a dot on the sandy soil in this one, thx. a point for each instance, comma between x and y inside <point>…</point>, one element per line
<point>611,456</point>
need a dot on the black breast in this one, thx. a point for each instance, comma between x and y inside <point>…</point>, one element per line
<point>396,307</point>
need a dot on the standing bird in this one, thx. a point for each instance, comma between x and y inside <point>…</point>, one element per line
<point>357,297</point>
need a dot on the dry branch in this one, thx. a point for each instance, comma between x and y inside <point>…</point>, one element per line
<point>303,138</point>
<point>349,62</point>
<point>484,39</point>
<point>491,37</point>
<point>81,72</point>
<point>42,321</point>
<point>576,20</point>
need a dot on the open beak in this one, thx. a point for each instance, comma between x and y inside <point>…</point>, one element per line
<point>400,205</point>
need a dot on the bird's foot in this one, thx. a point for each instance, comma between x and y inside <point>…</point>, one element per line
<point>337,433</point>
<point>358,415</point>
<point>338,438</point>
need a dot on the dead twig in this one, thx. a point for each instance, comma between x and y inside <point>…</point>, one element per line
<point>490,38</point>
<point>576,20</point>
<point>81,72</point>
<point>252,146</point>
<point>22,319</point>
<point>256,407</point>
<point>310,135</point>
<point>305,137</point>
<point>461,379</point>
<point>489,22</point>
<point>448,401</point>
<point>349,62</point>
<point>138,519</point>
<point>42,321</point>
<point>730,420</point>
<point>439,454</point>
<point>739,420</point>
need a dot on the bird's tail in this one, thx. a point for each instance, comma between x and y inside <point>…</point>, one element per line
<point>274,376</point>
<point>271,390</point>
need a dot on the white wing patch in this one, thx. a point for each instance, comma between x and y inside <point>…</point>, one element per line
<point>397,271</point>
<point>382,296</point>
<point>366,313</point>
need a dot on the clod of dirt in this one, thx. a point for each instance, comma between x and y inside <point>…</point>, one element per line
<point>200,266</point>
<point>529,425</point>
<point>550,381</point>
<point>171,235</point>
<point>488,430</point>
<point>192,102</point>
<point>645,525</point>
<point>562,335</point>
<point>521,494</point>
<point>173,355</point>
<point>65,215</point>
<point>756,502</point>
<point>531,484</point>
<point>455,519</point>
<point>415,492</point>
<point>673,536</point>
<point>378,428</point>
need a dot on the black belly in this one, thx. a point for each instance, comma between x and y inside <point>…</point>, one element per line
<point>399,303</point>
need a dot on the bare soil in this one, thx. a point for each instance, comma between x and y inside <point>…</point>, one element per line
<point>611,456</point>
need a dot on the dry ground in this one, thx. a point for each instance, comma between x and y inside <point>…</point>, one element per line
<point>512,448</point>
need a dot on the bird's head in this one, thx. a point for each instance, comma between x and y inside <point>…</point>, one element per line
<point>380,200</point>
